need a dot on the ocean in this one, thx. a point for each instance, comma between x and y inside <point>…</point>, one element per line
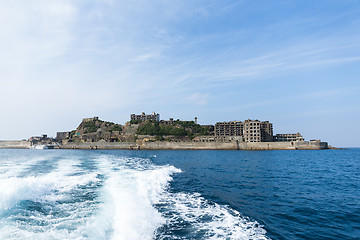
<point>121,194</point>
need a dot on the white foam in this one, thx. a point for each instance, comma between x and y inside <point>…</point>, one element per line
<point>213,220</point>
<point>128,193</point>
<point>44,187</point>
<point>46,190</point>
<point>13,167</point>
<point>128,198</point>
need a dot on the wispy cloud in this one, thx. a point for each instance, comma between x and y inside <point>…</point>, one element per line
<point>105,57</point>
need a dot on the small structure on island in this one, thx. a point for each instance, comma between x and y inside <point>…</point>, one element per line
<point>288,137</point>
<point>144,117</point>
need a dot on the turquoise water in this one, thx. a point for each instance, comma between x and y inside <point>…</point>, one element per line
<point>119,194</point>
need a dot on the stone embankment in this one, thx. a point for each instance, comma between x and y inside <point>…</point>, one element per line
<point>184,145</point>
<point>14,144</point>
<point>157,145</point>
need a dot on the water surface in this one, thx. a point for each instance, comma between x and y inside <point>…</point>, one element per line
<point>120,194</point>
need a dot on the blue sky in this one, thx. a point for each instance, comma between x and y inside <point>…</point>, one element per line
<point>294,63</point>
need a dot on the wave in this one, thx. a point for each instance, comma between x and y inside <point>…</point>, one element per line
<point>128,196</point>
<point>190,216</point>
<point>123,198</point>
<point>45,206</point>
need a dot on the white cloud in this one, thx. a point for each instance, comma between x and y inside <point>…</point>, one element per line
<point>62,60</point>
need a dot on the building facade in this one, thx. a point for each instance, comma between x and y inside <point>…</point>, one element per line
<point>143,117</point>
<point>289,137</point>
<point>62,135</point>
<point>232,128</point>
<point>266,131</point>
<point>252,132</point>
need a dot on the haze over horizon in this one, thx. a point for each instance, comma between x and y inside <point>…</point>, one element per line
<point>293,63</point>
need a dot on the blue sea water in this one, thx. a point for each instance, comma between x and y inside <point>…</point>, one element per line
<point>120,194</point>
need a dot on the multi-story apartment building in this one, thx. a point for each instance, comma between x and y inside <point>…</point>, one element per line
<point>143,117</point>
<point>288,137</point>
<point>233,128</point>
<point>266,131</point>
<point>252,132</point>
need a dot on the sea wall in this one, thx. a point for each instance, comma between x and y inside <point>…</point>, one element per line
<point>150,145</point>
<point>156,145</point>
<point>189,145</point>
<point>100,145</point>
<point>234,145</point>
<point>14,144</point>
<point>283,145</point>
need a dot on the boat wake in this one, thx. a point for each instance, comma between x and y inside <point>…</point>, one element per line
<point>109,197</point>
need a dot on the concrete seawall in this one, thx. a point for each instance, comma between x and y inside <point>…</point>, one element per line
<point>14,144</point>
<point>100,145</point>
<point>157,145</point>
<point>312,145</point>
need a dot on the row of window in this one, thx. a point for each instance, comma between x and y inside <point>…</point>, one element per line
<point>254,134</point>
<point>252,124</point>
<point>253,138</point>
<point>253,131</point>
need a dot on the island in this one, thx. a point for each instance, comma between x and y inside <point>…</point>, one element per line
<point>147,132</point>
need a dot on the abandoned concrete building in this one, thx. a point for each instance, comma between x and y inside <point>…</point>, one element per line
<point>254,131</point>
<point>266,131</point>
<point>43,139</point>
<point>232,128</point>
<point>288,137</point>
<point>250,130</point>
<point>143,117</point>
<point>62,135</point>
<point>90,119</point>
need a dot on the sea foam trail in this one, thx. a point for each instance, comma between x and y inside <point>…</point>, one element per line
<point>119,198</point>
<point>205,220</point>
<point>128,198</point>
<point>114,202</point>
<point>41,207</point>
<point>13,167</point>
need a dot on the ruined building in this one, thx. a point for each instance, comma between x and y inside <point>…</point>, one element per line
<point>266,129</point>
<point>250,130</point>
<point>288,137</point>
<point>233,128</point>
<point>143,117</point>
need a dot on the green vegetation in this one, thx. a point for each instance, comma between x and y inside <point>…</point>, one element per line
<point>135,121</point>
<point>72,133</point>
<point>179,128</point>
<point>116,127</point>
<point>90,127</point>
<point>196,129</point>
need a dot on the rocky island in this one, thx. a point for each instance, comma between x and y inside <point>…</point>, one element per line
<point>147,131</point>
